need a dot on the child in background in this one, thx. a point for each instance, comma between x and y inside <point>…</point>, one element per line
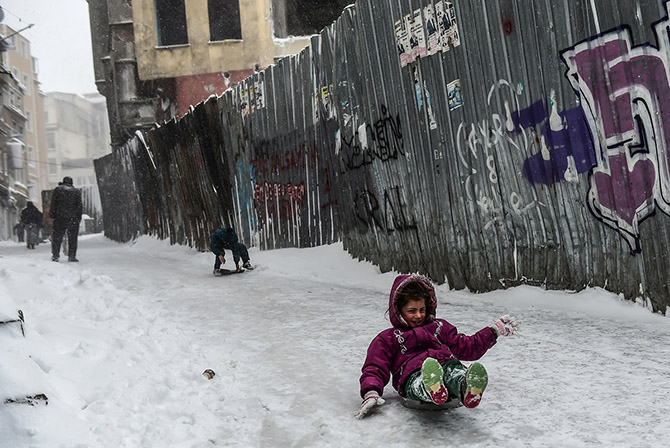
<point>226,238</point>
<point>423,353</point>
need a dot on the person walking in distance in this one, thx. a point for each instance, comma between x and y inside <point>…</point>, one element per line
<point>65,211</point>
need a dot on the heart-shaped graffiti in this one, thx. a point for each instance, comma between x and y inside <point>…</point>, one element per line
<point>626,193</point>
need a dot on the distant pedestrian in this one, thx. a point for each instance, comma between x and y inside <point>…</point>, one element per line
<point>18,230</point>
<point>65,210</point>
<point>31,218</point>
<point>226,238</point>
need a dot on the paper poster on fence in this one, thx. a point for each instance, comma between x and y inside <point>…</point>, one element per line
<point>243,96</point>
<point>453,37</point>
<point>445,14</point>
<point>417,38</point>
<point>417,87</point>
<point>432,34</point>
<point>454,94</point>
<point>259,91</point>
<point>402,40</point>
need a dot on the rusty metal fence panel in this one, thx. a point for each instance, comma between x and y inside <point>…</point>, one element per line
<point>487,144</point>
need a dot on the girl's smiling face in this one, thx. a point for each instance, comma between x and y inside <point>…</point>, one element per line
<point>414,312</point>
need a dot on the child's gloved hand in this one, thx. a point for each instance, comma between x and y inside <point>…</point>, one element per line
<point>370,400</point>
<point>506,326</point>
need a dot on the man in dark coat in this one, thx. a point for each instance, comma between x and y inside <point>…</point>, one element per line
<point>31,218</point>
<point>65,210</point>
<point>226,238</point>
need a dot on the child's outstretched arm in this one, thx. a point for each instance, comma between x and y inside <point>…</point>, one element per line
<point>471,348</point>
<point>506,326</point>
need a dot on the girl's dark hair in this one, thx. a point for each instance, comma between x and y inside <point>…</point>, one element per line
<point>414,291</point>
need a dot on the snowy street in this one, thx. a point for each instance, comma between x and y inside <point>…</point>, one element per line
<point>118,343</point>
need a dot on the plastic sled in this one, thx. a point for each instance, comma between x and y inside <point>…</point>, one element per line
<point>423,406</point>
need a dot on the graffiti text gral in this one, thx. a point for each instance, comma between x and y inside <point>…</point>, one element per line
<point>387,213</point>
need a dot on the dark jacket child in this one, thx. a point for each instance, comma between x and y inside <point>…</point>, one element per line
<point>423,354</point>
<point>19,230</point>
<point>226,238</point>
<point>31,218</point>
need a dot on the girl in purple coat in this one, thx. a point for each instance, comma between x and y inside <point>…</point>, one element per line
<point>423,353</point>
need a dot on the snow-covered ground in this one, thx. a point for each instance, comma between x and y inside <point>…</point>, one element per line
<point>119,341</point>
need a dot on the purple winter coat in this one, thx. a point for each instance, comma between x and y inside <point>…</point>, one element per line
<point>401,350</point>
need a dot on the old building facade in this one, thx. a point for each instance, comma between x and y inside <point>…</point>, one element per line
<point>154,59</point>
<point>23,166</point>
<point>77,132</point>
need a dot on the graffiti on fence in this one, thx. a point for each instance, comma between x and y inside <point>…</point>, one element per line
<point>303,178</point>
<point>482,139</point>
<point>385,134</point>
<point>271,191</point>
<point>562,149</point>
<point>387,213</point>
<point>270,161</point>
<point>625,93</point>
<point>245,187</point>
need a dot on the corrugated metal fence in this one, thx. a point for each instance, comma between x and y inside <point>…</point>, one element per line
<point>485,143</point>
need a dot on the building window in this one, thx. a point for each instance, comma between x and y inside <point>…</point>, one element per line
<point>35,66</point>
<point>29,121</point>
<point>18,175</point>
<point>31,156</point>
<point>32,191</point>
<point>51,140</point>
<point>171,22</point>
<point>18,127</point>
<point>305,17</point>
<point>224,19</point>
<point>24,49</point>
<point>26,83</point>
<point>53,167</point>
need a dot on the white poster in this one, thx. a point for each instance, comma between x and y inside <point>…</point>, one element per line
<point>417,37</point>
<point>402,40</point>
<point>445,13</point>
<point>432,34</point>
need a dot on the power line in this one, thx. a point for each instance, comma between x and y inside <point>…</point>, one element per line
<point>7,10</point>
<point>17,17</point>
<point>62,165</point>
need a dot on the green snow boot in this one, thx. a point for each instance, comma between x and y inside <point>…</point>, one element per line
<point>431,376</point>
<point>475,381</point>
